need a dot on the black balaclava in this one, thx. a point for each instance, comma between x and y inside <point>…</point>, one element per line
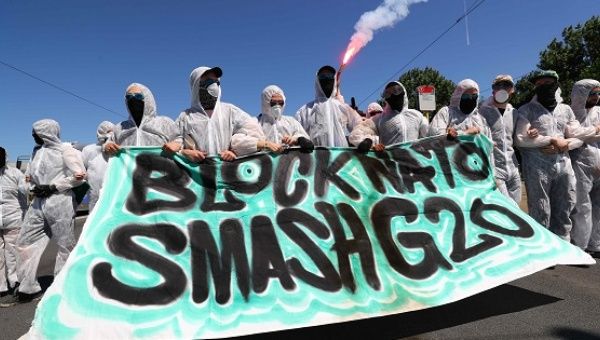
<point>38,140</point>
<point>327,84</point>
<point>468,105</point>
<point>396,102</point>
<point>207,100</point>
<point>2,157</point>
<point>136,108</point>
<point>589,105</point>
<point>546,94</point>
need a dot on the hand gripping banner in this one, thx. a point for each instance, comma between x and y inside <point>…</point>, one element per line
<point>271,242</point>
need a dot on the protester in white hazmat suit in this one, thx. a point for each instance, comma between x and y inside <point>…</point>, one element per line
<point>277,127</point>
<point>548,173</point>
<point>327,119</point>
<point>586,165</point>
<point>373,109</point>
<point>96,162</point>
<point>503,119</point>
<point>211,127</point>
<point>13,205</point>
<point>55,169</point>
<point>396,124</point>
<point>461,117</point>
<point>144,127</point>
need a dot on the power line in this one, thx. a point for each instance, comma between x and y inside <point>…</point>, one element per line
<point>473,7</point>
<point>61,89</point>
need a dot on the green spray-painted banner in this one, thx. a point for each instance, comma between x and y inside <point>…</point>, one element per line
<point>271,242</point>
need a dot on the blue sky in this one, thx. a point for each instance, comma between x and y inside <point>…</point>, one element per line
<point>95,49</point>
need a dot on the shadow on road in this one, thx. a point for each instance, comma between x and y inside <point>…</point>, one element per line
<point>501,300</point>
<point>45,281</point>
<point>573,333</point>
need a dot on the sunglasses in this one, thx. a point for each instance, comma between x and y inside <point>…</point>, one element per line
<point>276,102</point>
<point>392,91</point>
<point>327,76</point>
<point>595,93</point>
<point>503,85</point>
<point>206,83</point>
<point>467,96</point>
<point>137,96</point>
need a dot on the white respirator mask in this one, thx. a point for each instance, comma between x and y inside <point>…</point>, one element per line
<point>501,96</point>
<point>276,111</point>
<point>214,90</point>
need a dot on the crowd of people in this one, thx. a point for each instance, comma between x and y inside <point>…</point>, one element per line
<point>559,144</point>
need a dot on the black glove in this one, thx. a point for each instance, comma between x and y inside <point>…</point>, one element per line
<point>365,145</point>
<point>44,190</point>
<point>305,144</point>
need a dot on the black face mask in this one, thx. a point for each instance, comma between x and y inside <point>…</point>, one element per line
<point>327,86</point>
<point>546,94</point>
<point>589,105</point>
<point>468,105</point>
<point>38,140</point>
<point>396,102</point>
<point>207,101</point>
<point>136,108</point>
<point>2,157</point>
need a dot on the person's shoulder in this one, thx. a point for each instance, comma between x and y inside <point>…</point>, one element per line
<point>564,107</point>
<point>308,105</point>
<point>529,105</point>
<point>89,148</point>
<point>164,119</point>
<point>12,171</point>
<point>414,112</point>
<point>289,119</point>
<point>183,114</point>
<point>126,124</point>
<point>444,110</point>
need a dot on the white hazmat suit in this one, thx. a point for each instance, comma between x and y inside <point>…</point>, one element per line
<point>13,205</point>
<point>154,130</point>
<point>586,165</point>
<point>391,126</point>
<point>452,117</point>
<point>549,178</point>
<point>503,126</point>
<point>54,164</point>
<point>272,121</point>
<point>226,127</point>
<point>96,162</point>
<point>327,120</point>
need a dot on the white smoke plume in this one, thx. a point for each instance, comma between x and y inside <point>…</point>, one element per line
<point>386,15</point>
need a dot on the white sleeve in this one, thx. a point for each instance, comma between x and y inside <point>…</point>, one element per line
<point>575,130</point>
<point>353,118</point>
<point>74,163</point>
<point>439,123</point>
<point>523,140</point>
<point>424,128</point>
<point>362,131</point>
<point>22,190</point>
<point>170,130</point>
<point>298,129</point>
<point>301,117</point>
<point>246,133</point>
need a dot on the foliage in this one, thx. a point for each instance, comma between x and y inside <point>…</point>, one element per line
<point>575,57</point>
<point>427,76</point>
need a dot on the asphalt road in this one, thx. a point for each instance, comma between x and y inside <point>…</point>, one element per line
<point>563,303</point>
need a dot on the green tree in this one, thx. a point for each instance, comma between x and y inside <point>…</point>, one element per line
<point>427,76</point>
<point>523,90</point>
<point>575,57</point>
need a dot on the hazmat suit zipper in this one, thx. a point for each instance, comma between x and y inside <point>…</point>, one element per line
<point>507,168</point>
<point>1,205</point>
<point>404,137</point>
